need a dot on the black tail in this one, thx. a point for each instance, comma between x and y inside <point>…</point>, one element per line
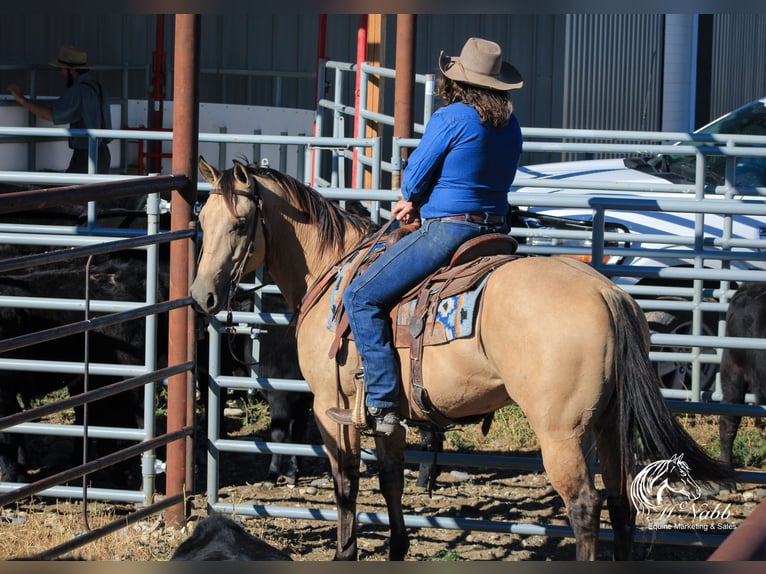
<point>648,428</point>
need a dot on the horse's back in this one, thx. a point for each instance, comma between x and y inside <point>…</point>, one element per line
<point>547,331</point>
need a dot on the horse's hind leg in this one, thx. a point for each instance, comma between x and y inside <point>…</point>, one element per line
<point>734,389</point>
<point>622,514</point>
<point>567,469</point>
<point>390,451</point>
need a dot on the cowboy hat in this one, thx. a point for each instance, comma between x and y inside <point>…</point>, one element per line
<point>71,57</point>
<point>481,64</point>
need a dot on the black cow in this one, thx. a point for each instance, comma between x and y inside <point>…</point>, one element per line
<point>217,537</point>
<point>119,277</point>
<point>742,370</point>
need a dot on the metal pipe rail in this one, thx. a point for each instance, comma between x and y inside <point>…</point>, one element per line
<point>468,524</point>
<point>100,188</point>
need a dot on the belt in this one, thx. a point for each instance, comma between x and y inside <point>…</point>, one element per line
<point>486,218</point>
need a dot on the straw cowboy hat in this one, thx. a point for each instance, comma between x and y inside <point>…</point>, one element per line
<point>71,57</point>
<point>481,64</point>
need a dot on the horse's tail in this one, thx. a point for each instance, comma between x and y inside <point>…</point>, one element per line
<point>648,428</point>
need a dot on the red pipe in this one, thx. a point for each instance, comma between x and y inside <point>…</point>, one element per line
<point>319,92</point>
<point>181,321</point>
<point>404,84</point>
<point>361,56</point>
<point>158,88</point>
<point>321,53</point>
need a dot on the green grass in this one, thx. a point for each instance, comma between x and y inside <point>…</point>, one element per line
<point>510,432</point>
<point>446,555</point>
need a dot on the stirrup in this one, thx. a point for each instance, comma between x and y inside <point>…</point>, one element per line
<point>358,412</point>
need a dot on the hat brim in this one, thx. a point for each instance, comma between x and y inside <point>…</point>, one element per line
<point>509,77</point>
<point>60,64</point>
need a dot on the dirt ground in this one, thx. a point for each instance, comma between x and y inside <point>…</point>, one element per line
<point>471,494</point>
<point>497,496</point>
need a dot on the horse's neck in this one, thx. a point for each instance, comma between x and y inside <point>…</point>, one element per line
<point>297,262</point>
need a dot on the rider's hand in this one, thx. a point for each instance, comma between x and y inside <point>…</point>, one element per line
<point>405,212</point>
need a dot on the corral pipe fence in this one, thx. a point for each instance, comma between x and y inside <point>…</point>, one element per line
<point>146,376</point>
<point>247,324</point>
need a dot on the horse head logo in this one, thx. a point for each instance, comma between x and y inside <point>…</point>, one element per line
<point>663,485</point>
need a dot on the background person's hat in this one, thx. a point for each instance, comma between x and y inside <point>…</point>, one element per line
<point>71,57</point>
<point>481,64</point>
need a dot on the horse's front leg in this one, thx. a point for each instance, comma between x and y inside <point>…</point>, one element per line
<point>390,453</point>
<point>343,448</point>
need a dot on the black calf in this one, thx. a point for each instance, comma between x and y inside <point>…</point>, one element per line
<point>118,277</point>
<point>217,537</point>
<point>742,370</point>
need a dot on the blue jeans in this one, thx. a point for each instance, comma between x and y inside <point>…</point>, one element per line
<point>368,300</point>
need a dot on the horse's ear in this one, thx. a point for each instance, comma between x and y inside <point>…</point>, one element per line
<point>240,172</point>
<point>209,173</point>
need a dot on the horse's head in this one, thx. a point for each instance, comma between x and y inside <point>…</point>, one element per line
<point>230,226</point>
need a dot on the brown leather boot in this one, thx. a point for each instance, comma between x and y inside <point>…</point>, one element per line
<point>340,416</point>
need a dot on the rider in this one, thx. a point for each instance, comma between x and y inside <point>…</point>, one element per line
<point>457,180</point>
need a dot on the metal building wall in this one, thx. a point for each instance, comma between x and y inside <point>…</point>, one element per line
<point>533,43</point>
<point>581,70</point>
<point>113,40</point>
<point>613,71</point>
<point>739,61</point>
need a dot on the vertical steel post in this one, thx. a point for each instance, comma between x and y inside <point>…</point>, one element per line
<point>404,84</point>
<point>181,321</point>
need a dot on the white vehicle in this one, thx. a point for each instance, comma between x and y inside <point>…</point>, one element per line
<point>644,247</point>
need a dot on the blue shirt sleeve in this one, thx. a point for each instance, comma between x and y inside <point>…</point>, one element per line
<point>425,162</point>
<point>66,109</point>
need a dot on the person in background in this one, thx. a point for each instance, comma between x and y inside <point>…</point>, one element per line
<point>84,105</point>
<point>457,182</point>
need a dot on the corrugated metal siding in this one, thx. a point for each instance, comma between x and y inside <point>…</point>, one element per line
<point>739,61</point>
<point>613,71</point>
<point>581,71</point>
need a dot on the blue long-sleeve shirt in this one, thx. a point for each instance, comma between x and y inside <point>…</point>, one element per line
<point>83,105</point>
<point>461,166</point>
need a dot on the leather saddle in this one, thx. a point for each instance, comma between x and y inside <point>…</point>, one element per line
<point>469,265</point>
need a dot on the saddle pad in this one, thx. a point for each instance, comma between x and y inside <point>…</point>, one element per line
<point>454,317</point>
<point>340,282</point>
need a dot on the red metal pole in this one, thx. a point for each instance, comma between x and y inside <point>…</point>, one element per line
<point>185,152</point>
<point>158,89</point>
<point>361,55</point>
<point>404,85</point>
<point>319,91</point>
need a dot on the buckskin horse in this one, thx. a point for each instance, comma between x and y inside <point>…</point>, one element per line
<point>552,335</point>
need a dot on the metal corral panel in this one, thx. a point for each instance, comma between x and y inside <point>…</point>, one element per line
<point>739,61</point>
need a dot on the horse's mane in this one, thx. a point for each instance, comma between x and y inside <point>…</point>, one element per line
<point>331,220</point>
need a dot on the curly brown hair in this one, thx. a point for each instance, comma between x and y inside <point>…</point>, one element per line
<point>494,106</point>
